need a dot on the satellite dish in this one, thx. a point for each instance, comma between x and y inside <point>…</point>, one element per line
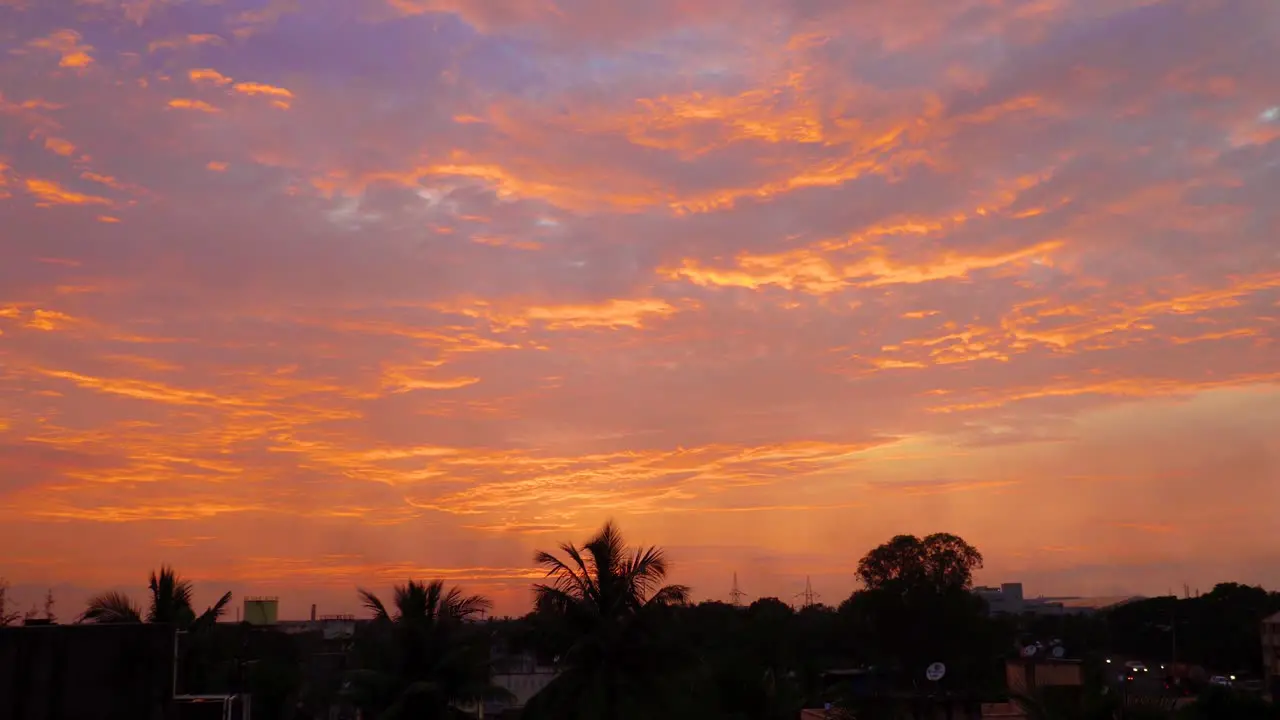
<point>1059,651</point>
<point>1029,651</point>
<point>935,671</point>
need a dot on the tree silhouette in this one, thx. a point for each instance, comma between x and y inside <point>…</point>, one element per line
<point>916,609</point>
<point>421,659</point>
<point>938,562</point>
<point>7,617</point>
<point>170,602</point>
<point>610,604</point>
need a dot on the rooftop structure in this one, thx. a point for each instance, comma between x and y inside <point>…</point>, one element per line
<point>262,610</point>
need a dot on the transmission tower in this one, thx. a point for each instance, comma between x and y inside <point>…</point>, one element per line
<point>808,596</point>
<point>736,594</point>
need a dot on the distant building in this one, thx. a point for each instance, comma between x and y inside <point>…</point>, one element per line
<point>521,674</point>
<point>1008,599</point>
<point>1271,654</point>
<point>1004,600</point>
<point>331,627</point>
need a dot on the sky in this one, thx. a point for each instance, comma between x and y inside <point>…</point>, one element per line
<point>305,295</point>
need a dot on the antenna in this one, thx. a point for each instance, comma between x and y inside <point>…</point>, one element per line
<point>808,595</point>
<point>736,594</point>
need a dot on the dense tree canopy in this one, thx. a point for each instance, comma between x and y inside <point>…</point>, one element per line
<point>938,562</point>
<point>917,609</point>
<point>1219,629</point>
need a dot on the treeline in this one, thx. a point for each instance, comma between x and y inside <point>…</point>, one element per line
<point>626,644</point>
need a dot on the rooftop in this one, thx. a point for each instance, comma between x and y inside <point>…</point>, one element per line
<point>1095,603</point>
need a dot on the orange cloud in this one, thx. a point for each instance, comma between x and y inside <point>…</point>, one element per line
<point>252,88</point>
<point>50,192</point>
<point>143,512</point>
<point>144,390</point>
<point>49,320</point>
<point>818,273</point>
<point>608,314</point>
<point>406,379</point>
<point>59,146</point>
<point>189,104</point>
<point>636,481</point>
<point>568,191</point>
<point>216,166</point>
<point>185,41</point>
<point>67,43</point>
<point>1121,387</point>
<point>1102,324</point>
<point>103,180</point>
<point>208,75</point>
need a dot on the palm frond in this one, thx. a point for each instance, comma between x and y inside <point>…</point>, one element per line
<point>670,595</point>
<point>608,555</point>
<point>373,604</point>
<point>578,579</point>
<point>111,607</point>
<point>466,606</point>
<point>215,611</point>
<point>645,571</point>
<point>427,602</point>
<point>552,599</point>
<point>414,601</point>
<point>170,596</point>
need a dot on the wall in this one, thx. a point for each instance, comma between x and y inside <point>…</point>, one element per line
<point>86,672</point>
<point>1023,675</point>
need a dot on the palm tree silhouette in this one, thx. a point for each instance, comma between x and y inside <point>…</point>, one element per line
<point>420,658</point>
<point>417,602</point>
<point>170,603</point>
<point>610,602</point>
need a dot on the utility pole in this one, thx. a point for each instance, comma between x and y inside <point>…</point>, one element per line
<point>736,594</point>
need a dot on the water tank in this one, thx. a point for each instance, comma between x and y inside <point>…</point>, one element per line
<point>261,610</point>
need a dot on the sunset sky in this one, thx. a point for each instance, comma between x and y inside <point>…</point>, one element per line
<point>300,295</point>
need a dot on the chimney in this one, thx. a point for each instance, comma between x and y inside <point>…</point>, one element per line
<point>313,612</point>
